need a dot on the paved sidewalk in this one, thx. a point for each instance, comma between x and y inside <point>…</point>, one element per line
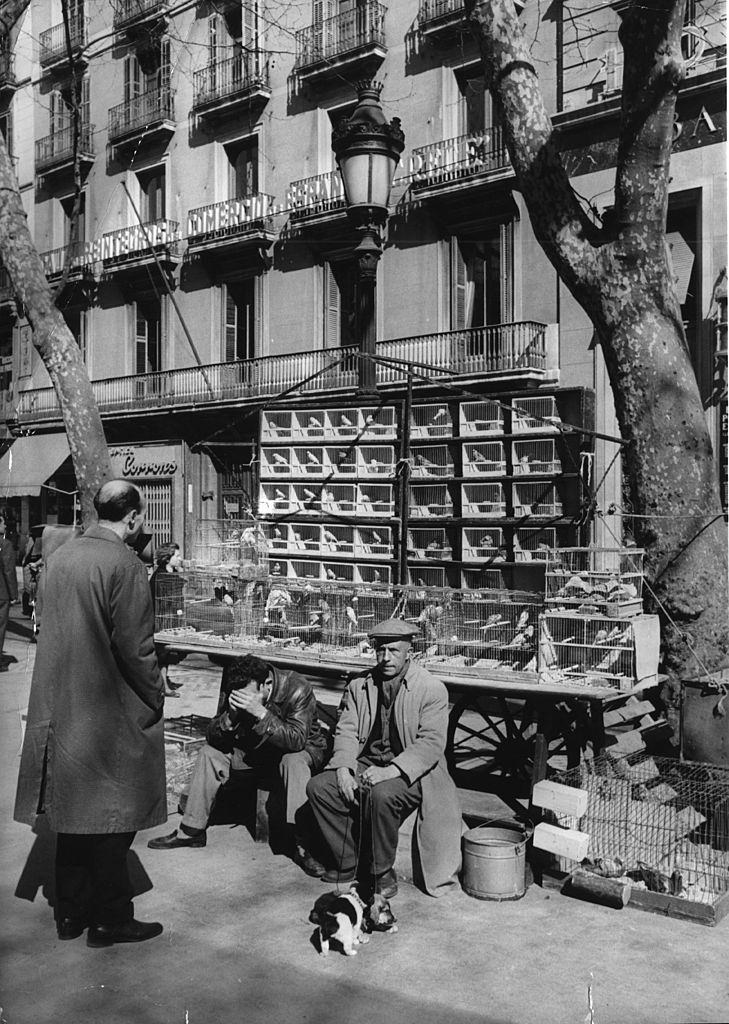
<point>237,942</point>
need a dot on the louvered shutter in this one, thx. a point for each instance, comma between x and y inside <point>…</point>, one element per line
<point>458,287</point>
<point>332,309</point>
<point>506,271</point>
<point>231,325</point>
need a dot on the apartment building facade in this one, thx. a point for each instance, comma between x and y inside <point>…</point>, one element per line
<point>211,263</point>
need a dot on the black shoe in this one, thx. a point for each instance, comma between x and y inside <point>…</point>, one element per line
<point>386,884</point>
<point>9,658</point>
<point>337,877</point>
<point>308,864</point>
<point>129,931</point>
<point>176,839</point>
<point>69,928</point>
<point>174,686</point>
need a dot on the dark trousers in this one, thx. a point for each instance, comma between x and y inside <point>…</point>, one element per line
<point>4,616</point>
<point>367,830</point>
<point>92,879</point>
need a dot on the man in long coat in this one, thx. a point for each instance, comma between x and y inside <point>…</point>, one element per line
<point>388,760</point>
<point>93,755</point>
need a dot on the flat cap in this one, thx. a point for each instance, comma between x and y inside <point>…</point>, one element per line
<point>393,629</point>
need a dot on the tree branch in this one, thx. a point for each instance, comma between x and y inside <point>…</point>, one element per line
<point>10,12</point>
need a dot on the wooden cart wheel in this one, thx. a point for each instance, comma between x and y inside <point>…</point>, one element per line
<point>492,735</point>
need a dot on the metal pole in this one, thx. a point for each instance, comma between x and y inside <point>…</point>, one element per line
<point>405,481</point>
<point>367,255</point>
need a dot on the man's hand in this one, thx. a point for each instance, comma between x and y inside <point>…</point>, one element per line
<point>376,773</point>
<point>244,700</point>
<point>347,784</point>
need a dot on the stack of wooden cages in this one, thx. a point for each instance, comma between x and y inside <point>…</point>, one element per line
<point>593,630</point>
<point>492,486</point>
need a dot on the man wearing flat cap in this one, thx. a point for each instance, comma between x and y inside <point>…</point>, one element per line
<point>267,720</point>
<point>389,760</point>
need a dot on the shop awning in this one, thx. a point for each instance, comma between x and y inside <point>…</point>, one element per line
<point>29,462</point>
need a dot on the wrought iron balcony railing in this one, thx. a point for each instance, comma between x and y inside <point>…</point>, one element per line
<point>231,217</point>
<point>54,260</point>
<point>433,10</point>
<point>52,42</point>
<point>461,157</point>
<point>506,349</point>
<point>7,68</point>
<point>57,148</point>
<point>227,79</point>
<point>333,37</point>
<point>127,12</point>
<point>322,193</point>
<point>140,113</point>
<point>138,240</point>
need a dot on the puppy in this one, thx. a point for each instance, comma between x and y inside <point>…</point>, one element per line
<point>339,916</point>
<point>379,916</point>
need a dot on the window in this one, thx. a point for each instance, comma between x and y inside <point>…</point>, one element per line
<point>147,71</point>
<point>475,113</point>
<point>242,168</point>
<point>75,318</point>
<point>152,194</point>
<point>482,277</point>
<point>239,310</point>
<point>339,304</point>
<point>148,336</point>
<point>6,129</point>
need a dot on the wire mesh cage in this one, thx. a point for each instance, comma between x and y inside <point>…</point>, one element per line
<point>431,421</point>
<point>480,581</point>
<point>427,500</point>
<point>304,537</point>
<point>485,501</point>
<point>373,575</point>
<point>277,462</point>
<point>429,543</point>
<point>277,536</point>
<point>536,500</point>
<point>340,572</point>
<point>338,499</point>
<point>610,580</point>
<point>534,414</point>
<point>307,499</point>
<point>240,543</point>
<point>484,459</point>
<point>342,423</point>
<point>373,543</point>
<point>342,461</point>
<point>537,456</point>
<point>377,422</point>
<point>375,500</point>
<point>375,460</point>
<point>431,461</point>
<point>308,424</point>
<point>659,822</point>
<point>337,540</point>
<point>480,418</point>
<point>534,544</point>
<point>310,461</point>
<point>483,544</point>
<point>277,426</point>
<point>276,499</point>
<point>427,576</point>
<point>305,569</point>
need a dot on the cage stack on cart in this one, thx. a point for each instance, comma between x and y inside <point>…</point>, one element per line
<point>593,630</point>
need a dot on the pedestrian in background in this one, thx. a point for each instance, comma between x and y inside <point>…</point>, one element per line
<point>8,586</point>
<point>93,756</point>
<point>167,584</point>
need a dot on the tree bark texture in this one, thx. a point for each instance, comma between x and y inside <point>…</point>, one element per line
<point>54,342</point>
<point>619,272</point>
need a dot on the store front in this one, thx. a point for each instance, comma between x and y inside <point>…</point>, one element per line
<point>158,471</point>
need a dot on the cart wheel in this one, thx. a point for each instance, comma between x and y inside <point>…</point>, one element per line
<point>494,736</point>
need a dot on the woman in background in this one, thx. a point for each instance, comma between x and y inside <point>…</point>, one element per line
<point>167,585</point>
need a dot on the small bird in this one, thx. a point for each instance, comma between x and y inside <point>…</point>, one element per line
<point>438,415</point>
<point>486,542</point>
<point>309,495</point>
<point>277,533</point>
<point>376,537</point>
<point>351,614</point>
<point>279,495</point>
<point>344,421</point>
<point>600,637</point>
<point>608,661</point>
<point>280,460</point>
<point>314,422</point>
<point>376,577</point>
<point>331,575</point>
<point>522,621</point>
<point>312,459</point>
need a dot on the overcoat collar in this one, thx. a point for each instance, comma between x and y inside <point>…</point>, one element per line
<point>97,532</point>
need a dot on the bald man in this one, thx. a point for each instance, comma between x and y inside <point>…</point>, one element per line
<point>93,756</point>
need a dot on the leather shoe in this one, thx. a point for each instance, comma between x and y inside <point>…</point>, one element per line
<point>337,877</point>
<point>386,884</point>
<point>69,928</point>
<point>10,659</point>
<point>128,931</point>
<point>308,864</point>
<point>178,839</point>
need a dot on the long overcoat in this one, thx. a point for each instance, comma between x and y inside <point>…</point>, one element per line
<point>421,720</point>
<point>93,756</point>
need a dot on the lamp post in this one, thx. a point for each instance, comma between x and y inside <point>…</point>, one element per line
<point>367,150</point>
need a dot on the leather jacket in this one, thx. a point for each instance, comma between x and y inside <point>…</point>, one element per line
<point>290,724</point>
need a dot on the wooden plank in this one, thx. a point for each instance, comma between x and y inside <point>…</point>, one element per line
<point>627,743</point>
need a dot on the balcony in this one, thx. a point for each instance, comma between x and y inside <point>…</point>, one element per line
<point>513,352</point>
<point>319,196</point>
<point>230,88</point>
<point>441,21</point>
<point>352,42</point>
<point>81,262</point>
<point>454,163</point>
<point>8,81</point>
<point>135,247</point>
<point>132,15</point>
<point>54,153</point>
<point>232,226</point>
<point>52,43</point>
<point>149,116</point>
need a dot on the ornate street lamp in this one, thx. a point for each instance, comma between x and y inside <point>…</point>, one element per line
<point>367,149</point>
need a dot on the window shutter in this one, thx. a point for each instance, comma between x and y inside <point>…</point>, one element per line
<point>506,267</point>
<point>140,334</point>
<point>85,102</point>
<point>250,24</point>
<point>132,78</point>
<point>213,38</point>
<point>458,287</point>
<point>611,70</point>
<point>164,65</point>
<point>332,308</point>
<point>231,325</point>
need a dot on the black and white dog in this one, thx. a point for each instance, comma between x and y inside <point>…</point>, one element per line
<point>340,917</point>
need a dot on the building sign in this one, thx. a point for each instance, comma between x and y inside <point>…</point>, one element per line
<point>324,190</point>
<point>229,216</point>
<point>140,463</point>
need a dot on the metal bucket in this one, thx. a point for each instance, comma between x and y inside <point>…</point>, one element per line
<point>494,861</point>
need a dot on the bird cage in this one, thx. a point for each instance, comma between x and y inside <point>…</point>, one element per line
<point>536,456</point>
<point>374,575</point>
<point>503,627</point>
<point>536,500</point>
<point>377,422</point>
<point>610,580</point>
<point>658,822</point>
<point>311,461</point>
<point>593,650</point>
<point>209,599</point>
<point>337,540</point>
<point>339,499</point>
<point>483,501</point>
<point>427,576</point>
<point>534,545</point>
<point>531,415</point>
<point>230,542</point>
<point>431,461</point>
<point>483,544</point>
<point>303,569</point>
<point>369,543</point>
<point>375,461</point>
<point>304,537</point>
<point>342,423</point>
<point>480,418</point>
<point>276,499</point>
<point>429,543</point>
<point>277,462</point>
<point>375,500</point>
<point>339,572</point>
<point>306,499</point>
<point>278,568</point>
<point>427,500</point>
<point>477,580</point>
<point>484,459</point>
<point>277,426</point>
<point>277,536</point>
<point>309,424</point>
<point>431,421</point>
<point>342,461</point>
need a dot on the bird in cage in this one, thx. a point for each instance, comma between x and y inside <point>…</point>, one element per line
<point>314,422</point>
<point>331,540</point>
<point>309,495</point>
<point>438,415</point>
<point>600,637</point>
<point>331,575</point>
<point>277,533</point>
<point>376,538</point>
<point>298,539</point>
<point>608,661</point>
<point>366,503</point>
<point>312,459</point>
<point>376,576</point>
<point>522,621</point>
<point>486,541</point>
<point>280,460</point>
<point>352,617</point>
<point>522,465</point>
<point>344,421</point>
<point>374,464</point>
